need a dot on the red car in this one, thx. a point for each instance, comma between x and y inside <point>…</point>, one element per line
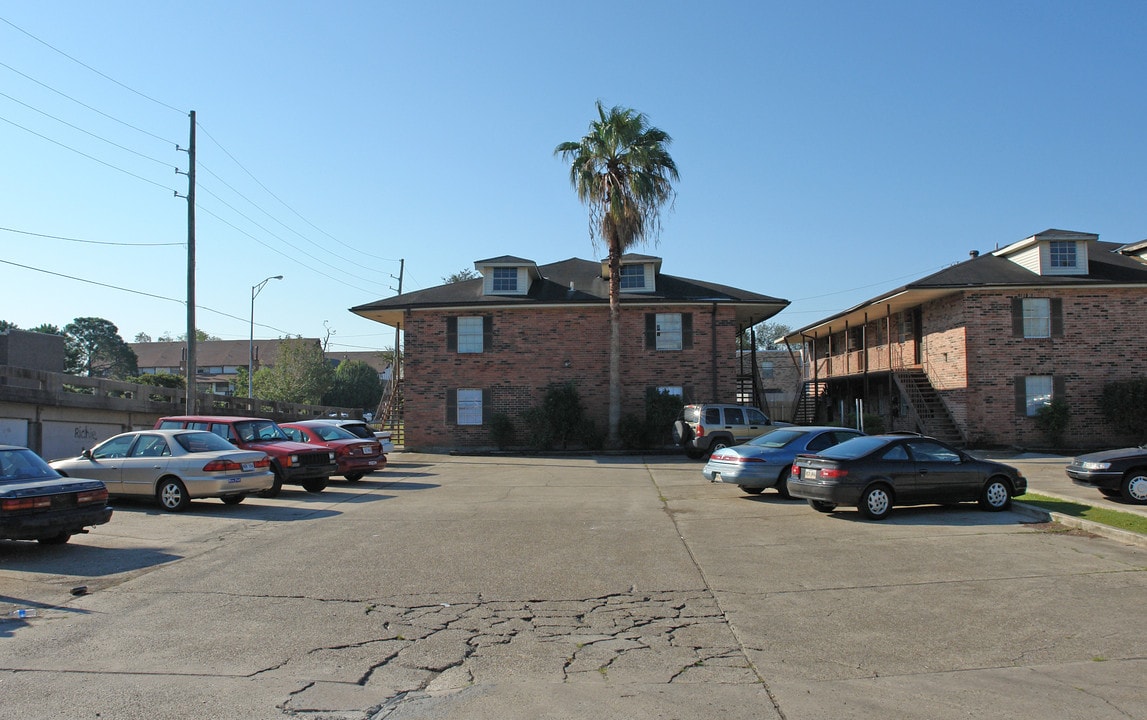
<point>355,456</point>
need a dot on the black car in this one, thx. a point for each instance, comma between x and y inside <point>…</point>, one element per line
<point>1114,473</point>
<point>37,503</point>
<point>874,473</point>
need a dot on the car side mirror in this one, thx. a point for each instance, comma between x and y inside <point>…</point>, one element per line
<point>86,453</point>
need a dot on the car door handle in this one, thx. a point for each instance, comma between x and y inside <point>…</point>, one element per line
<point>923,472</point>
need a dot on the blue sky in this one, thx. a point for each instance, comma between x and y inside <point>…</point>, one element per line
<point>828,151</point>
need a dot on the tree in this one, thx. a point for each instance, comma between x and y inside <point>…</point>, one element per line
<point>200,336</point>
<point>5,325</point>
<point>460,276</point>
<point>624,175</point>
<point>355,385</point>
<point>766,334</point>
<point>48,329</point>
<point>94,348</point>
<point>142,337</point>
<point>1122,402</point>
<point>300,374</point>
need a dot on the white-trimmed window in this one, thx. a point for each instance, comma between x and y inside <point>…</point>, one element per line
<point>632,277</point>
<point>674,390</point>
<point>505,279</point>
<point>1038,391</point>
<point>1037,317</point>
<point>470,330</point>
<point>668,331</point>
<point>469,406</point>
<point>1062,254</point>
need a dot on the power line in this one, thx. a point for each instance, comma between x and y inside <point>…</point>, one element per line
<point>86,132</point>
<point>90,242</point>
<point>90,157</point>
<point>89,67</point>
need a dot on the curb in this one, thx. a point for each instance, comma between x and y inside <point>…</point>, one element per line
<point>1040,515</point>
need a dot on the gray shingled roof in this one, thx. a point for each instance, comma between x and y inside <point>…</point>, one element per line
<point>578,282</point>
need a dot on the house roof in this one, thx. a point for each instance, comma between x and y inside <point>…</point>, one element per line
<point>574,282</point>
<point>1106,267</point>
<point>207,353</point>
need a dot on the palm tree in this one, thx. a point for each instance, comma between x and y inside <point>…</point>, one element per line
<point>623,173</point>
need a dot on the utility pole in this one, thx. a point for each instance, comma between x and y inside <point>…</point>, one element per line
<point>192,370</point>
<point>397,364</point>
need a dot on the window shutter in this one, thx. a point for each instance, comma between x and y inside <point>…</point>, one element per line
<point>686,394</point>
<point>1021,395</point>
<point>1057,317</point>
<point>1058,387</point>
<point>1017,317</point>
<point>487,333</point>
<point>452,406</point>
<point>686,331</point>
<point>451,334</point>
<point>486,409</point>
<point>650,331</point>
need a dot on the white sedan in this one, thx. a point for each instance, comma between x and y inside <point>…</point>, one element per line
<point>172,466</point>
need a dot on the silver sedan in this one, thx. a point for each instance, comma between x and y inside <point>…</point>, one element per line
<point>173,466</point>
<point>765,461</point>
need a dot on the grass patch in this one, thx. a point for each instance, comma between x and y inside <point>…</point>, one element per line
<point>1112,518</point>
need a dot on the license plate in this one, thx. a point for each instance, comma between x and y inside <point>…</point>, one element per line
<point>372,462</point>
<point>808,473</point>
<point>234,480</point>
<point>247,467</point>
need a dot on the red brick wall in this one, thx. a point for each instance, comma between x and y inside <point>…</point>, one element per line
<point>531,347</point>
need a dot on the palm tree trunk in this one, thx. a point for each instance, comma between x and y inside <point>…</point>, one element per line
<point>614,438</point>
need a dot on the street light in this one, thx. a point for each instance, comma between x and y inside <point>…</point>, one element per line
<point>255,290</point>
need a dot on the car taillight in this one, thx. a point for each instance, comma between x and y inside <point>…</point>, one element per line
<point>700,430</point>
<point>31,503</point>
<point>738,458</point>
<point>222,465</point>
<point>832,473</point>
<point>92,496</point>
<point>263,462</point>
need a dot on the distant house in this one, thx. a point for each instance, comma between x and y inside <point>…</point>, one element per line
<point>971,353</point>
<point>217,362</point>
<point>494,344</point>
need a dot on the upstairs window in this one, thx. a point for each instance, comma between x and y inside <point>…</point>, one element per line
<point>1062,254</point>
<point>469,334</point>
<point>632,277</point>
<point>505,279</point>
<point>1037,317</point>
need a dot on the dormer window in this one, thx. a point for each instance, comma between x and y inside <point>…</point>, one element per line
<point>1062,254</point>
<point>632,277</point>
<point>505,280</point>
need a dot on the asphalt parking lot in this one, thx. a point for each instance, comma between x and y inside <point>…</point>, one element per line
<point>570,587</point>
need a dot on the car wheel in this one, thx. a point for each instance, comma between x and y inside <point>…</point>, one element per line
<point>876,502</point>
<point>822,506</point>
<point>783,483</point>
<point>354,477</point>
<point>719,444</point>
<point>995,496</point>
<point>276,487</point>
<point>315,486</point>
<point>172,495</point>
<point>233,499</point>
<point>57,539</point>
<point>751,490</point>
<point>1134,487</point>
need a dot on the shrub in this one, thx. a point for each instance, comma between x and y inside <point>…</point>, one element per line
<point>1052,419</point>
<point>873,424</point>
<point>634,432</point>
<point>563,414</point>
<point>1123,402</point>
<point>501,430</point>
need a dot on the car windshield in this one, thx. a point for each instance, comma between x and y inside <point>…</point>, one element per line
<point>777,438</point>
<point>357,430</point>
<point>19,464</point>
<point>854,448</point>
<point>259,431</point>
<point>197,442</point>
<point>334,432</point>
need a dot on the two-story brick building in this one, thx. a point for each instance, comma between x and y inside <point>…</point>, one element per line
<point>495,343</point>
<point>972,352</point>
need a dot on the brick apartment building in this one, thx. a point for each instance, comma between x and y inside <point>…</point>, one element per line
<point>496,342</point>
<point>972,352</point>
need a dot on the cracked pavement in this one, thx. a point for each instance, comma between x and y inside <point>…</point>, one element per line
<point>579,587</point>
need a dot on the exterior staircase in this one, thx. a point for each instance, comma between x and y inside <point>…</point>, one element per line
<point>808,404</point>
<point>925,407</point>
<point>389,415</point>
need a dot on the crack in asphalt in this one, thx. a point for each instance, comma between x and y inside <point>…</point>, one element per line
<point>442,648</point>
